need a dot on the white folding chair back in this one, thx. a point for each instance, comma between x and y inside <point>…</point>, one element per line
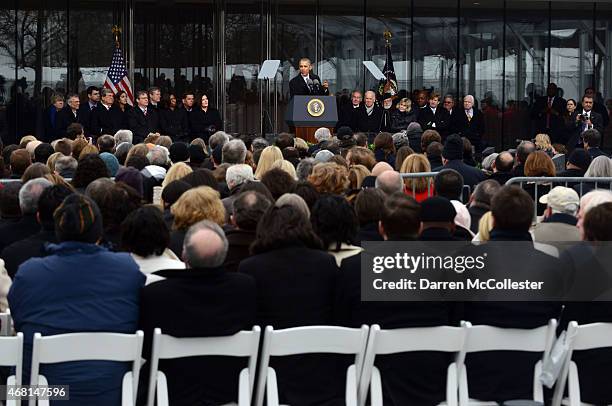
<point>6,324</point>
<point>310,340</point>
<point>585,337</point>
<point>241,344</point>
<point>488,338</point>
<point>89,347</point>
<point>11,355</point>
<point>384,342</point>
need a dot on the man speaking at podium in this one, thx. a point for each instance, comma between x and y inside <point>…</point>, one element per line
<point>307,83</point>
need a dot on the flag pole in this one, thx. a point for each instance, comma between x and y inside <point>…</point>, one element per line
<point>117,34</point>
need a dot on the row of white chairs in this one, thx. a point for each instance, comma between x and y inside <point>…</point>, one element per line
<point>364,343</point>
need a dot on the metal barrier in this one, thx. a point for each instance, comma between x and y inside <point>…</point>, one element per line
<point>550,182</point>
<point>465,194</point>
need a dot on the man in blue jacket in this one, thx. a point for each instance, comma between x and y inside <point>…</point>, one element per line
<point>79,287</point>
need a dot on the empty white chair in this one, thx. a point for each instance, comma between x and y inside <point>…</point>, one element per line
<point>488,338</point>
<point>89,347</point>
<point>11,355</point>
<point>311,340</point>
<point>241,344</point>
<point>384,342</point>
<point>585,337</point>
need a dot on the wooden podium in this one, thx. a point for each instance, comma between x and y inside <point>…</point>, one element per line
<point>305,114</point>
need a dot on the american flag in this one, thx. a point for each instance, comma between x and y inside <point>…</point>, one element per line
<point>117,76</point>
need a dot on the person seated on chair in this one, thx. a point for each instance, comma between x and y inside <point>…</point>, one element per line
<point>79,287</point>
<point>203,300</point>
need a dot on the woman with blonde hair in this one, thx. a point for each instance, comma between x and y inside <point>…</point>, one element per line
<point>52,159</point>
<point>419,188</point>
<point>177,171</point>
<point>542,143</point>
<point>285,166</point>
<point>138,149</point>
<point>201,203</point>
<point>356,175</point>
<point>485,225</point>
<point>269,155</point>
<point>88,150</point>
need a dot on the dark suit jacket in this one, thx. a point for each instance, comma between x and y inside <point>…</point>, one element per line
<point>556,122</point>
<point>297,86</point>
<point>371,123</point>
<point>239,242</point>
<point>142,126</point>
<point>194,303</point>
<point>174,123</point>
<point>200,122</point>
<point>598,124</point>
<point>349,116</point>
<point>11,232</point>
<point>471,175</point>
<point>64,118</point>
<point>86,112</point>
<point>20,251</point>
<point>50,122</point>
<point>441,119</point>
<point>105,121</point>
<point>295,287</point>
<point>473,130</point>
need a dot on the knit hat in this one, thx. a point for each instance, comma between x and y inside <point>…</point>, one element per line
<point>111,162</point>
<point>196,154</point>
<point>78,218</point>
<point>131,177</point>
<point>437,209</point>
<point>344,133</point>
<point>580,158</point>
<point>453,148</point>
<point>179,152</point>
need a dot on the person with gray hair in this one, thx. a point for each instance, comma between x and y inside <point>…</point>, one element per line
<point>390,182</point>
<point>124,136</point>
<point>28,225</point>
<point>235,177</point>
<point>259,143</point>
<point>600,167</point>
<point>218,138</point>
<point>121,152</point>
<point>155,173</point>
<point>205,246</point>
<point>158,155</point>
<point>322,134</point>
<point>304,169</point>
<point>480,201</point>
<point>66,166</point>
<point>295,201</point>
<point>233,152</point>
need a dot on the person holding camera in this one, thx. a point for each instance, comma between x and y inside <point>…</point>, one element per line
<point>586,119</point>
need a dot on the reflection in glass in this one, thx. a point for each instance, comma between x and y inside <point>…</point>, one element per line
<point>8,60</point>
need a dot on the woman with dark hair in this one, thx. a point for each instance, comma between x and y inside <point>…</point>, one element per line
<point>146,236</point>
<point>90,168</point>
<point>384,149</point>
<point>201,177</point>
<point>369,206</point>
<point>121,101</point>
<point>205,120</point>
<point>295,287</point>
<point>116,203</point>
<point>172,119</point>
<point>335,222</point>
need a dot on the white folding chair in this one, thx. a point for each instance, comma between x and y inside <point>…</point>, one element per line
<point>585,337</point>
<point>488,338</point>
<point>310,340</point>
<point>89,347</point>
<point>11,355</point>
<point>384,342</point>
<point>241,344</point>
<point>6,324</point>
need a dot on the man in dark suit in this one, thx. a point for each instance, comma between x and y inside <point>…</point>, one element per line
<point>547,112</point>
<point>369,116</point>
<point>435,117</point>
<point>194,303</point>
<point>588,119</point>
<point>106,117</point>
<point>155,98</point>
<point>501,375</point>
<point>307,83</point>
<point>452,157</point>
<point>469,122</point>
<point>348,115</point>
<point>142,119</point>
<point>86,109</point>
<point>597,107</point>
<point>591,140</point>
<point>68,115</point>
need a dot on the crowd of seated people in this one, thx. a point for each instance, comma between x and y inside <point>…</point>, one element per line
<point>213,237</point>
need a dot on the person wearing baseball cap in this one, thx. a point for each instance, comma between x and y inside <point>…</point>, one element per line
<point>559,224</point>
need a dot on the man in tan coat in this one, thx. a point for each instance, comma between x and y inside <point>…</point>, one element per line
<point>559,224</point>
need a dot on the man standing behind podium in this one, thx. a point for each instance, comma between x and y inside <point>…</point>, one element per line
<point>307,83</point>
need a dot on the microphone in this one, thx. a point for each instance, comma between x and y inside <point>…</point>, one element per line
<point>316,82</point>
<point>309,82</point>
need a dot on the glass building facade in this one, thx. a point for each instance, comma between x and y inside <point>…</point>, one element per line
<point>503,52</point>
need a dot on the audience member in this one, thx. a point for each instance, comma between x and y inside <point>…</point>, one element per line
<point>480,201</point>
<point>437,219</point>
<point>559,222</point>
<point>278,182</point>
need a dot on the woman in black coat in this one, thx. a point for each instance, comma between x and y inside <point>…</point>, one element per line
<point>121,101</point>
<point>174,120</point>
<point>295,282</point>
<point>205,121</point>
<point>402,116</point>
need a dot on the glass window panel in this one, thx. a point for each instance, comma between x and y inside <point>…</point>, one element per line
<point>8,62</point>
